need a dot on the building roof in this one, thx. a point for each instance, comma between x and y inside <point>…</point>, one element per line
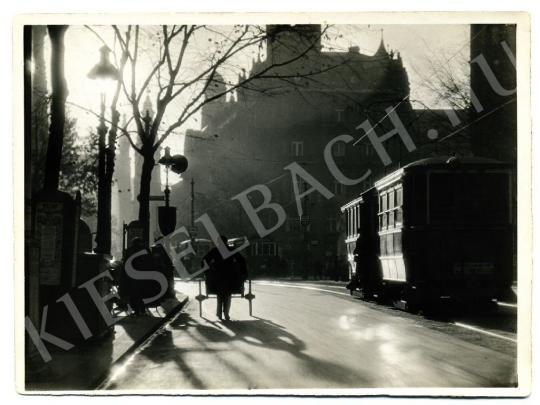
<point>381,51</point>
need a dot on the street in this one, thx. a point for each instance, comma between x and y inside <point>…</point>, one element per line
<point>300,156</point>
<point>306,335</point>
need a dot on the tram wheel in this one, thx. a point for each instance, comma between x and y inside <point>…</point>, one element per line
<point>413,298</point>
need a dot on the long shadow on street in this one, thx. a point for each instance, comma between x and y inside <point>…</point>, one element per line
<point>259,332</point>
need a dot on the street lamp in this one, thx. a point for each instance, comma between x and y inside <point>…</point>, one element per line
<point>105,72</point>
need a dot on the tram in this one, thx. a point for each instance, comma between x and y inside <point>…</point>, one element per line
<point>437,229</point>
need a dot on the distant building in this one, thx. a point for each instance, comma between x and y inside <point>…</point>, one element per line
<point>127,177</point>
<point>494,123</point>
<point>122,201</point>
<point>494,126</point>
<point>249,137</point>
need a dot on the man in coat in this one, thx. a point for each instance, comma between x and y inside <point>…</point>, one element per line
<point>224,277</point>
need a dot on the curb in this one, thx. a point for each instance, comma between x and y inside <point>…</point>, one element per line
<point>104,378</point>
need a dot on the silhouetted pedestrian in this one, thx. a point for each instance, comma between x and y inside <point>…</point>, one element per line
<point>224,277</point>
<point>359,258</point>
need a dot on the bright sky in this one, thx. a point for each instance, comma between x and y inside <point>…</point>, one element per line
<point>417,44</point>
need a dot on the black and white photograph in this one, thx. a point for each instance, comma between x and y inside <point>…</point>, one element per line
<point>274,204</point>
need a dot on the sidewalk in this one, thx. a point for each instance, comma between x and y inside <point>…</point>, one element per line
<point>85,366</point>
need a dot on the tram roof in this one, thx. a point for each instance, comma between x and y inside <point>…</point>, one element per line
<point>351,203</point>
<point>196,240</point>
<point>440,162</point>
<point>437,161</point>
<point>454,160</point>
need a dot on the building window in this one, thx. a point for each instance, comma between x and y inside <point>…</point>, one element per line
<point>367,149</point>
<point>340,114</point>
<point>264,248</point>
<point>297,148</point>
<point>302,185</point>
<point>331,225</point>
<point>293,225</point>
<point>339,188</point>
<point>338,149</point>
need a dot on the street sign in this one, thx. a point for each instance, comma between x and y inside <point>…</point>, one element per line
<point>50,224</point>
<point>57,226</point>
<point>167,219</point>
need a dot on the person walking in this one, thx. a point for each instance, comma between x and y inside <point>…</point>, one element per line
<point>224,277</point>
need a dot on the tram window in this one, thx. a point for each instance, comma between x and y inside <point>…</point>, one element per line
<point>397,242</point>
<point>399,197</point>
<point>389,244</point>
<point>384,205</point>
<point>391,218</point>
<point>391,200</point>
<point>399,216</point>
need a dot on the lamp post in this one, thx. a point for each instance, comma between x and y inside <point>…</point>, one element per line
<point>105,72</point>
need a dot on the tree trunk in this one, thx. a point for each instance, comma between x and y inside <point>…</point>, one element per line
<point>103,201</point>
<point>144,193</point>
<point>39,107</point>
<point>109,172</point>
<point>107,154</point>
<point>58,107</point>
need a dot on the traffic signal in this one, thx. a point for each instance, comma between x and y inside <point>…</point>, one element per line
<point>178,164</point>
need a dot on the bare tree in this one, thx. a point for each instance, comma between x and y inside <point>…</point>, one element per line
<point>187,75</point>
<point>449,83</point>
